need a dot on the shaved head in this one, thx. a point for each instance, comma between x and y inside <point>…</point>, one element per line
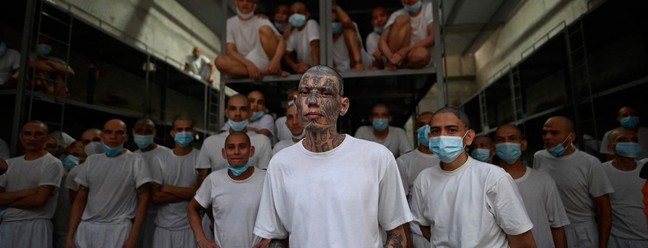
<point>562,121</point>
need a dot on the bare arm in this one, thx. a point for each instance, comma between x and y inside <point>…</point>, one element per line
<point>72,194</point>
<point>186,67</point>
<point>281,49</point>
<point>202,174</point>
<point>397,237</point>
<point>427,233</point>
<point>194,222</point>
<point>558,234</point>
<point>142,204</point>
<point>603,218</point>
<point>427,42</point>
<point>37,200</point>
<point>315,51</point>
<point>521,240</point>
<point>234,54</point>
<point>212,69</point>
<point>7,198</point>
<point>382,44</point>
<point>343,16</point>
<point>75,214</point>
<point>170,194</point>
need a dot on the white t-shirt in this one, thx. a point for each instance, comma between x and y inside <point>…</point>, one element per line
<point>281,129</point>
<point>419,23</point>
<point>396,140</point>
<point>543,205</point>
<point>4,150</point>
<point>112,184</point>
<point>299,41</point>
<point>9,62</point>
<point>150,155</point>
<point>69,179</point>
<point>179,171</point>
<point>234,204</point>
<point>476,205</point>
<point>411,164</point>
<point>265,122</point>
<point>24,174</point>
<point>244,34</point>
<point>628,219</point>
<point>198,66</point>
<point>281,145</point>
<point>642,135</point>
<point>372,42</point>
<point>579,177</point>
<point>211,152</point>
<point>338,198</point>
<point>340,54</point>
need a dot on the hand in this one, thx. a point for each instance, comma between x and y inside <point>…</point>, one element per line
<point>210,80</point>
<point>265,243</point>
<point>130,243</point>
<point>301,68</point>
<point>207,243</point>
<point>253,72</point>
<point>274,68</point>
<point>377,54</point>
<point>395,59</point>
<point>69,243</point>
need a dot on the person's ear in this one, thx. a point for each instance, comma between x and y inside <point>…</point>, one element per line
<point>470,136</point>
<point>251,151</point>
<point>345,105</point>
<point>523,145</point>
<point>223,153</point>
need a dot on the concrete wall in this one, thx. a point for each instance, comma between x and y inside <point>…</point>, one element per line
<point>161,27</point>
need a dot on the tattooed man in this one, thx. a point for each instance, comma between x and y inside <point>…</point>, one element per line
<point>330,189</point>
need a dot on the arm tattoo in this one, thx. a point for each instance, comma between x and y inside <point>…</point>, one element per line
<point>394,240</point>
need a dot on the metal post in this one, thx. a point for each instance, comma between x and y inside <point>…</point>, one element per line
<point>439,53</point>
<point>27,39</point>
<point>326,36</point>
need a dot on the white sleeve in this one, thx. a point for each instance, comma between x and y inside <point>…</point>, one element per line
<point>598,182</point>
<point>51,174</point>
<point>604,144</point>
<point>312,31</point>
<point>69,180</point>
<point>268,225</point>
<point>229,36</point>
<point>402,170</point>
<point>291,42</point>
<point>418,206</point>
<point>267,122</point>
<point>266,22</point>
<point>4,149</point>
<point>142,172</point>
<point>203,194</point>
<point>203,161</point>
<point>428,12</point>
<point>156,171</point>
<point>392,18</point>
<point>265,153</point>
<point>556,214</point>
<point>507,206</point>
<point>393,209</point>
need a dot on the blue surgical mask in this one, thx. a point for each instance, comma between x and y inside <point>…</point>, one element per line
<point>630,122</point>
<point>337,28</point>
<point>380,124</point>
<point>422,135</point>
<point>628,149</point>
<point>93,147</point>
<point>281,26</point>
<point>481,154</point>
<point>3,48</point>
<point>237,126</point>
<point>447,148</point>
<point>257,115</point>
<point>112,152</point>
<point>297,20</point>
<point>183,139</point>
<point>559,149</point>
<point>143,141</point>
<point>508,151</point>
<point>70,161</point>
<point>237,171</point>
<point>413,8</point>
<point>43,49</point>
<point>379,30</point>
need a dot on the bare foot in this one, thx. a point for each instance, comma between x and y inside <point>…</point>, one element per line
<point>390,67</point>
<point>358,67</point>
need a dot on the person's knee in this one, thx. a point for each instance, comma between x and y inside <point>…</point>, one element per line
<point>221,62</point>
<point>266,32</point>
<point>402,21</point>
<point>418,57</point>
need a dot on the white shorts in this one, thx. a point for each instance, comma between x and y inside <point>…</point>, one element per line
<point>583,234</point>
<point>258,57</point>
<point>165,238</point>
<point>616,242</point>
<point>28,233</point>
<point>102,235</point>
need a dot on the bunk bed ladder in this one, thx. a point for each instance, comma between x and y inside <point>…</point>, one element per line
<point>581,87</point>
<point>58,30</point>
<point>483,111</point>
<point>212,110</point>
<point>519,116</point>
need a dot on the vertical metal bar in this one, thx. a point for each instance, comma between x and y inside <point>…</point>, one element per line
<point>326,36</point>
<point>221,95</point>
<point>146,84</point>
<point>27,39</point>
<point>572,86</point>
<point>439,53</point>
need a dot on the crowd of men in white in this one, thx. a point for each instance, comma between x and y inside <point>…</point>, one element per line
<point>322,188</point>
